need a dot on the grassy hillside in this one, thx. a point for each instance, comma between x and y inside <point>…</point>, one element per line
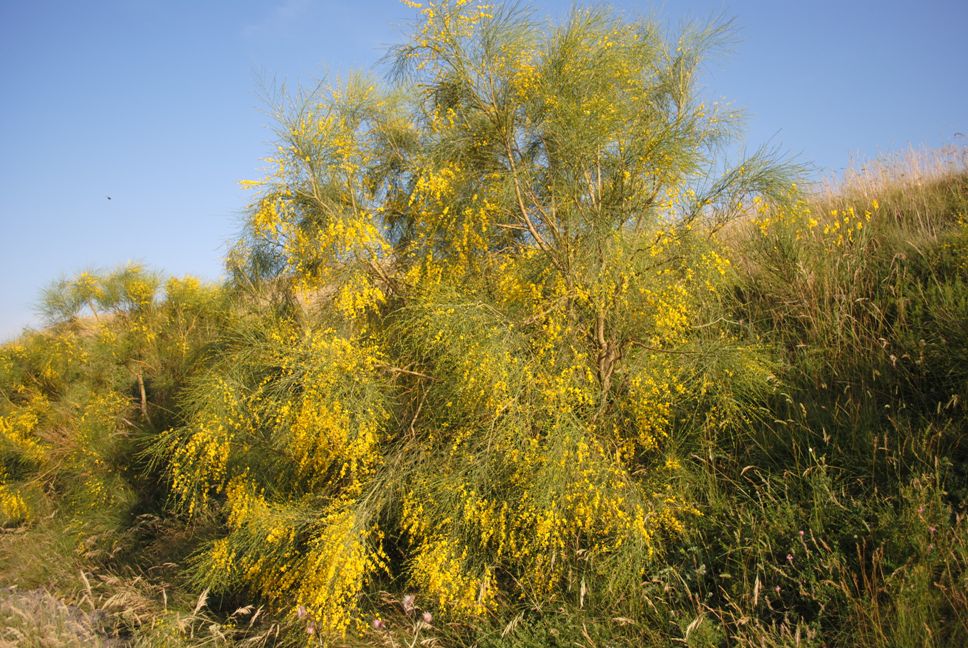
<point>830,512</point>
<point>509,356</point>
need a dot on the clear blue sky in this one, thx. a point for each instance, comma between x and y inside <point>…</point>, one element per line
<point>159,104</point>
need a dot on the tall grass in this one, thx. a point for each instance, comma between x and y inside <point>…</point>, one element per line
<point>843,520</point>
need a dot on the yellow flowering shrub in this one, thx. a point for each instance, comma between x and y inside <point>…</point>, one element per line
<point>504,272</point>
<point>485,357</point>
<point>65,419</point>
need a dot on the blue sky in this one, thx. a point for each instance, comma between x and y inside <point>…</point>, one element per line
<point>160,105</point>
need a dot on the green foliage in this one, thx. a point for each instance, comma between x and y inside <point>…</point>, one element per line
<point>509,355</point>
<point>493,264</point>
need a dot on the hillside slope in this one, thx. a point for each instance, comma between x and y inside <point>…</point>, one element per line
<point>828,510</point>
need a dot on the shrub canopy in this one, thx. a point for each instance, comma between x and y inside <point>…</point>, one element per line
<point>506,284</point>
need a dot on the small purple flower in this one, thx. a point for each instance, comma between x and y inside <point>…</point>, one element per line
<point>301,612</point>
<point>310,628</point>
<point>932,529</point>
<point>801,533</point>
<point>427,617</point>
<point>777,589</point>
<point>378,624</point>
<point>789,557</point>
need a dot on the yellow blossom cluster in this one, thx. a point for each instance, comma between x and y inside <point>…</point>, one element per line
<point>440,568</point>
<point>445,22</point>
<point>844,227</point>
<point>17,430</point>
<point>338,562</point>
<point>840,225</point>
<point>199,454</point>
<point>328,438</point>
<point>13,508</point>
<point>199,465</point>
<point>653,394</point>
